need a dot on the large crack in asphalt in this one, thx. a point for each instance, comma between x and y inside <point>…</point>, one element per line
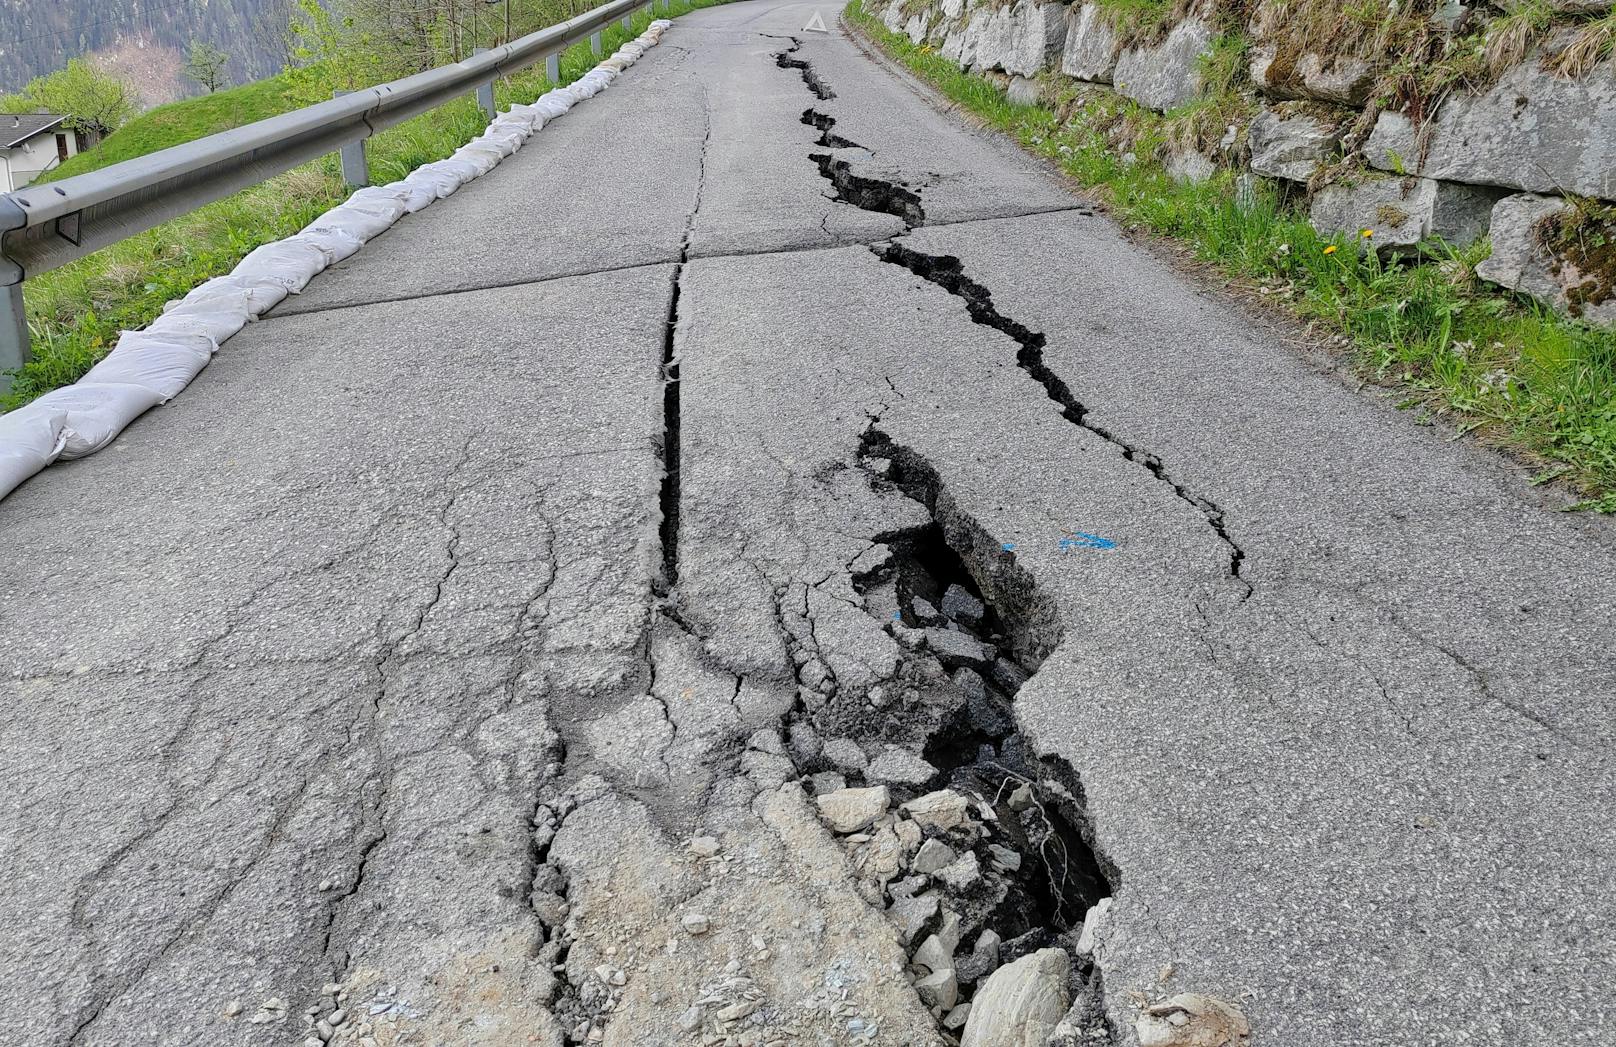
<point>810,78</point>
<point>948,272</point>
<point>992,857</point>
<point>671,411</point>
<point>1027,874</point>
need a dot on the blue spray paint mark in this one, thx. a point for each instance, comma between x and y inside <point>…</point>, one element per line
<point>1009,547</point>
<point>1084,540</point>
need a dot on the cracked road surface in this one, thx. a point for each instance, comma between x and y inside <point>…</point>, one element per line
<point>458,661</point>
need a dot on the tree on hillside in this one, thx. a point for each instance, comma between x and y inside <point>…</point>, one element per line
<point>93,100</point>
<point>205,64</point>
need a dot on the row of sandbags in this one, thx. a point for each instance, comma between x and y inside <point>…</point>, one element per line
<point>151,367</point>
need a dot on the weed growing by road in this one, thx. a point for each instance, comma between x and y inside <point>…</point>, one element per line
<point>76,312</point>
<point>1489,362</point>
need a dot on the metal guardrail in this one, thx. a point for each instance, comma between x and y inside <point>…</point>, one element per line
<point>46,226</point>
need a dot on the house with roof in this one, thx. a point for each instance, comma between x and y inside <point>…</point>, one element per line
<point>33,143</point>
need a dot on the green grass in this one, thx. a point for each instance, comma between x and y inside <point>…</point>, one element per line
<point>185,121</point>
<point>75,313</point>
<point>1496,364</point>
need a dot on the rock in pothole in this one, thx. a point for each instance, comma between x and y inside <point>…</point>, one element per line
<point>1021,1003</point>
<point>939,811</point>
<point>849,810</point>
<point>900,767</point>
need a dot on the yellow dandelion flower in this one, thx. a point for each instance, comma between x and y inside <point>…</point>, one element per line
<point>1366,233</point>
<point>1331,249</point>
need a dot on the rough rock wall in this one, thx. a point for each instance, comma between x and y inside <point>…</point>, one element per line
<point>1499,161</point>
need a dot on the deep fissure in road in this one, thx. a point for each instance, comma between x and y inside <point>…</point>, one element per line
<point>828,139</point>
<point>948,272</point>
<point>870,194</point>
<point>784,60</point>
<point>672,415</point>
<point>1026,875</point>
<point>1008,860</point>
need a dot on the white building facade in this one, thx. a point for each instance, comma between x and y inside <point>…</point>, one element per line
<point>33,143</point>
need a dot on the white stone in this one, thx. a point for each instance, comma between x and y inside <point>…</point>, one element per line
<point>1022,91</point>
<point>933,856</point>
<point>1190,166</point>
<point>963,874</point>
<point>1091,48</point>
<point>849,810</point>
<point>1087,940</point>
<point>1532,131</point>
<point>1165,76</point>
<point>1402,212</point>
<point>1290,145</point>
<point>940,810</point>
<point>1023,38</point>
<point>915,28</point>
<point>1521,262</point>
<point>939,990</point>
<point>933,955</point>
<point>1019,1004</point>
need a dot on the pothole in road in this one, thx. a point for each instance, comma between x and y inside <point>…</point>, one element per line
<point>979,847</point>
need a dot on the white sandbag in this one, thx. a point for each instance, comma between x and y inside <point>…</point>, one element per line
<point>218,319</point>
<point>30,439</point>
<point>558,98</point>
<point>483,158</point>
<point>363,221</point>
<point>256,297</point>
<point>285,262</point>
<point>632,50</point>
<point>335,244</point>
<point>601,74</point>
<point>552,108</point>
<point>96,413</point>
<point>465,170</point>
<point>437,177</point>
<point>393,198</point>
<point>505,144</point>
<point>163,363</point>
<point>523,123</point>
<point>584,89</point>
<point>419,193</point>
<point>613,64</point>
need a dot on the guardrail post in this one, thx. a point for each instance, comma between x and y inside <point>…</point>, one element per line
<point>552,69</point>
<point>485,93</point>
<point>355,165</point>
<point>628,22</point>
<point>594,43</point>
<point>13,333</point>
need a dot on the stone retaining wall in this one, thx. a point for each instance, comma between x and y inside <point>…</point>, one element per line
<point>1498,162</point>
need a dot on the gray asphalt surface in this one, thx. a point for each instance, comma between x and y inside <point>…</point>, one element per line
<point>289,666</point>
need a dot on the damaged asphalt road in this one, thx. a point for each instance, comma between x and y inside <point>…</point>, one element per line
<point>823,585</point>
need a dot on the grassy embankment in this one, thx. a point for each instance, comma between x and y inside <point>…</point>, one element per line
<point>76,312</point>
<point>1484,361</point>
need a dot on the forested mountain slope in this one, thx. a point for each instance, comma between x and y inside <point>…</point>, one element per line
<point>144,40</point>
